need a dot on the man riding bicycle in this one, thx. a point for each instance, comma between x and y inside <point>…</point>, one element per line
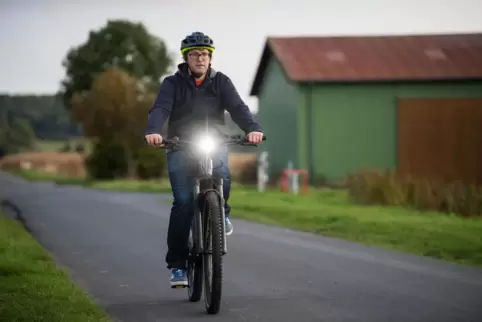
<point>195,90</point>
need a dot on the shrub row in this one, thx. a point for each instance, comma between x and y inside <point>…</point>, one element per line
<point>388,188</point>
<point>107,161</point>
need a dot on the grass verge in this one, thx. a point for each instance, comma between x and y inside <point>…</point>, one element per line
<point>32,288</point>
<point>332,213</point>
<point>37,176</point>
<point>111,185</point>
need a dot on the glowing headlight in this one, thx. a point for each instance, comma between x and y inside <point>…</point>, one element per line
<point>207,144</point>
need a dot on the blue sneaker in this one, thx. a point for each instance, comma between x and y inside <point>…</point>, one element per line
<point>228,226</point>
<point>178,278</point>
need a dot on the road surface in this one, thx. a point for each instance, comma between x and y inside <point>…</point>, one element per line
<point>114,245</point>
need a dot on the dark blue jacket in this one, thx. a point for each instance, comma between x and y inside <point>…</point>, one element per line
<point>187,105</point>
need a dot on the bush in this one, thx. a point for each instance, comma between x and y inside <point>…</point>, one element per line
<point>106,161</point>
<point>151,163</point>
<point>387,188</point>
<point>66,147</point>
<point>79,148</point>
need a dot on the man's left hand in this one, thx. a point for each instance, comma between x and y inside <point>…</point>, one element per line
<point>255,137</point>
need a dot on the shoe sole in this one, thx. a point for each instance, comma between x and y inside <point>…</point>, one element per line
<point>230,233</point>
<point>179,284</point>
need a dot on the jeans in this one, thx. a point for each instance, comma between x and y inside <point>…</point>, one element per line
<point>181,165</point>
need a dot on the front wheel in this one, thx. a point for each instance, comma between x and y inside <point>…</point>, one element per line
<point>213,241</point>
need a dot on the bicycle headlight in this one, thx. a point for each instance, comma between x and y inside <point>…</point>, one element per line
<point>206,144</point>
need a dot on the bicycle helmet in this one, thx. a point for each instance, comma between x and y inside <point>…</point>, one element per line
<point>197,40</point>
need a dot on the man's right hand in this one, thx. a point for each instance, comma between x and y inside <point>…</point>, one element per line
<point>154,139</point>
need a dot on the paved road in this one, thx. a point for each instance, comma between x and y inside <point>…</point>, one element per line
<point>114,245</point>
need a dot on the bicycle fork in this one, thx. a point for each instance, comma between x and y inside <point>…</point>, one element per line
<point>223,215</point>
<point>198,231</point>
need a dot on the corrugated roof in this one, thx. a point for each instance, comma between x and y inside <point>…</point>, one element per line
<point>375,58</point>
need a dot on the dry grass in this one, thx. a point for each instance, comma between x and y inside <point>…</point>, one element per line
<point>387,188</point>
<point>66,164</point>
<point>242,165</point>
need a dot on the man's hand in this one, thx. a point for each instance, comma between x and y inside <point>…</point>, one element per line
<point>255,137</point>
<point>154,139</point>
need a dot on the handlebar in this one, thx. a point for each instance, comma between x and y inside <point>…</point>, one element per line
<point>231,140</point>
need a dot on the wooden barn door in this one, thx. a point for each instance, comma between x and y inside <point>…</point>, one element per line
<point>440,139</point>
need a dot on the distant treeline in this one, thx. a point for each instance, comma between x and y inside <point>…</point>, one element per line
<point>25,118</point>
<point>45,113</point>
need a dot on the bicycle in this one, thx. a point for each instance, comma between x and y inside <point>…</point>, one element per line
<point>207,238</point>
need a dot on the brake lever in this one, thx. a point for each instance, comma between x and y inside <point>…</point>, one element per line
<point>248,144</point>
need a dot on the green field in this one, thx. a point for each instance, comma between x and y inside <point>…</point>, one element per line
<point>56,146</point>
<point>32,288</point>
<point>332,213</point>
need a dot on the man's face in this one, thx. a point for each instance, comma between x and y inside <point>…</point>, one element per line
<point>198,61</point>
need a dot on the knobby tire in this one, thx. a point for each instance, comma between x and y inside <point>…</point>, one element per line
<point>213,234</point>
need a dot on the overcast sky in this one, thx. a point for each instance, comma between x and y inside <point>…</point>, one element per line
<point>36,34</point>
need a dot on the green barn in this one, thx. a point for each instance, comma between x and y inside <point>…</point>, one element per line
<point>334,105</point>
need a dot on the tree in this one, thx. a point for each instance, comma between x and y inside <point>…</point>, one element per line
<point>16,135</point>
<point>115,109</point>
<point>121,44</point>
<point>16,132</point>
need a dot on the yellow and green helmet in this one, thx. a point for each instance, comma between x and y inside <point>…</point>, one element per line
<point>197,40</point>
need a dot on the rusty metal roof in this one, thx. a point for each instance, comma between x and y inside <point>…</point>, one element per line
<point>374,58</point>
